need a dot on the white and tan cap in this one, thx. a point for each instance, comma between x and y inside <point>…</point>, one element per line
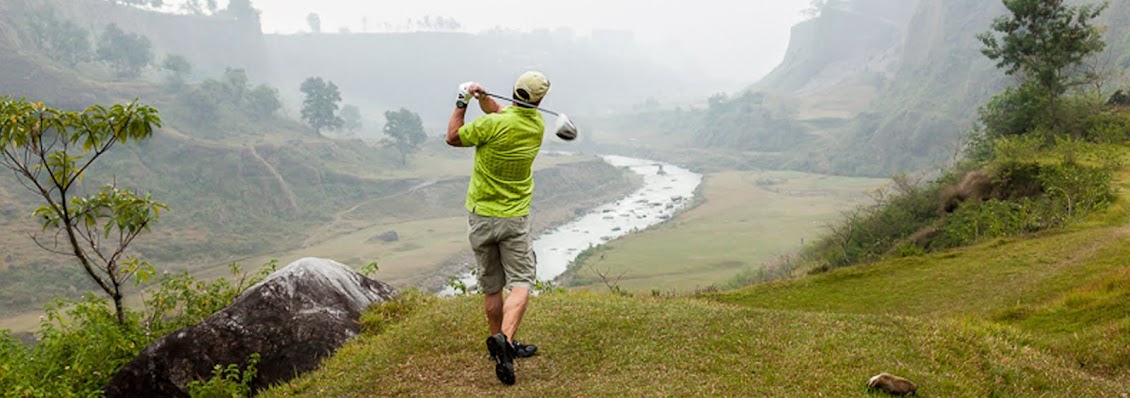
<point>531,87</point>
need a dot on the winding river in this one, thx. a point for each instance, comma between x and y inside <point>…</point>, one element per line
<point>666,190</point>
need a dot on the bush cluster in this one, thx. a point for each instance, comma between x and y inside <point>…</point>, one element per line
<point>80,344</point>
<point>1034,186</point>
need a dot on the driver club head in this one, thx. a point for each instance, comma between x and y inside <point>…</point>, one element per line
<point>566,130</point>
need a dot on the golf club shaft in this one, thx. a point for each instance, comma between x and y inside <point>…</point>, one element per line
<point>523,103</point>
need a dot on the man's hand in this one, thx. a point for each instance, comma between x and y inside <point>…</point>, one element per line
<point>486,103</point>
<point>477,90</point>
<point>466,93</point>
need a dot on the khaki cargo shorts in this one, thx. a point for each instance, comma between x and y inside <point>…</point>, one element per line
<point>504,250</point>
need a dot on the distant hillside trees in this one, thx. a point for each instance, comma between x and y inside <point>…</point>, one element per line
<point>242,11</point>
<point>438,24</point>
<point>264,100</point>
<point>319,108</point>
<point>126,53</point>
<point>351,116</point>
<point>314,22</point>
<point>750,121</point>
<point>199,7</point>
<point>208,101</point>
<point>1042,43</point>
<point>236,84</point>
<point>405,132</point>
<point>62,40</point>
<point>179,68</point>
<point>151,3</point>
<point>49,151</point>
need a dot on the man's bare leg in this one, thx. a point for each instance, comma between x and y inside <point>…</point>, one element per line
<point>513,311</point>
<point>492,303</point>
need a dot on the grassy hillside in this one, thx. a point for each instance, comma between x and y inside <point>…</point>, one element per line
<point>1043,315</point>
<point>1040,315</point>
<point>600,345</point>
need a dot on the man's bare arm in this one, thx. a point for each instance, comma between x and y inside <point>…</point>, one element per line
<point>453,126</point>
<point>488,104</point>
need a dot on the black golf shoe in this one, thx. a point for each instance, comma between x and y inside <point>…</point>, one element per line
<point>503,354</point>
<point>525,350</point>
<point>520,351</point>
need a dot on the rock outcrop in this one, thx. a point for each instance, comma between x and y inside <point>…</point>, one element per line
<point>293,319</point>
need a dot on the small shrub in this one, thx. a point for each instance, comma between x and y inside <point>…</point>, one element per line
<point>227,382</point>
<point>547,287</point>
<point>459,287</point>
<point>370,269</point>
<point>976,221</point>
<point>81,344</point>
<point>1109,127</point>
<point>1014,111</point>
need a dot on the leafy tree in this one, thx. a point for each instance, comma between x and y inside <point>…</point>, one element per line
<point>405,132</point>
<point>315,22</point>
<point>70,43</point>
<point>242,11</point>
<point>127,53</point>
<point>236,84</point>
<point>201,106</point>
<point>50,151</point>
<point>351,115</point>
<point>178,66</point>
<point>319,109</point>
<point>63,40</point>
<point>264,100</point>
<point>1043,42</point>
<point>199,7</point>
<point>151,3</point>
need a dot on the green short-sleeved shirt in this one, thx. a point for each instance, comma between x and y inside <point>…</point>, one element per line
<point>506,143</point>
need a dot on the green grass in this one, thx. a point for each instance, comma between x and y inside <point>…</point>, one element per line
<point>746,219</point>
<point>1040,315</point>
<point>602,345</point>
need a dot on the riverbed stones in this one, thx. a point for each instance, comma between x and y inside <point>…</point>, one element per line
<point>294,318</point>
<point>387,236</point>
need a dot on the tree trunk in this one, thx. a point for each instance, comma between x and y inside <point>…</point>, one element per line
<point>118,309</point>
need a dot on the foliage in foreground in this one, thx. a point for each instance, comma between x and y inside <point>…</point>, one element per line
<point>49,151</point>
<point>81,344</point>
<point>227,382</point>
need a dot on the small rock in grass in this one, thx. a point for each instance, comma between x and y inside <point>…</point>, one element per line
<point>892,384</point>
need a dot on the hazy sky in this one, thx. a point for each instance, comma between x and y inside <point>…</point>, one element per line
<point>731,39</point>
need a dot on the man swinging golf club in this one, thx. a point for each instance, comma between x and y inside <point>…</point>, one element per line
<point>506,141</point>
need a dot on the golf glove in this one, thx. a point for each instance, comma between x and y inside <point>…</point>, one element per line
<point>465,95</point>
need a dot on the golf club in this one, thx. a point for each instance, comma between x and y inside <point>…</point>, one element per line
<point>566,130</point>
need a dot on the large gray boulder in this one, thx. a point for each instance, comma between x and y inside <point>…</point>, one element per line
<point>293,319</point>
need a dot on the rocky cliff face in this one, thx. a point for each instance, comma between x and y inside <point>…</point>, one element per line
<point>910,72</point>
<point>844,43</point>
<point>912,75</point>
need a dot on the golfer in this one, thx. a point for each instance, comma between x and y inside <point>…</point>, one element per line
<point>506,141</point>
